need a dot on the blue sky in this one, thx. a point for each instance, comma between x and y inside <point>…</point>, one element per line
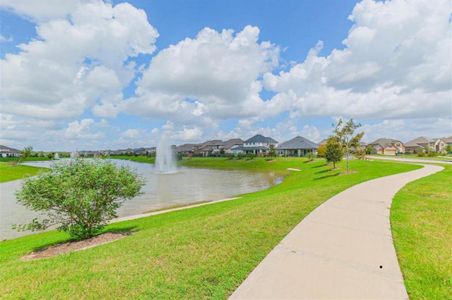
<point>94,74</point>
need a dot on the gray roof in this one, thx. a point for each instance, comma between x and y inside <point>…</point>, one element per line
<point>447,140</point>
<point>258,138</point>
<point>417,141</point>
<point>8,149</point>
<point>186,147</point>
<point>384,142</point>
<point>232,142</point>
<point>298,142</point>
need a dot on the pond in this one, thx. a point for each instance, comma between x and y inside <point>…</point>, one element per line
<point>188,185</point>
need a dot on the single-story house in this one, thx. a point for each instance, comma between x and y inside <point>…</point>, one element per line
<point>423,143</point>
<point>388,146</point>
<point>298,146</point>
<point>9,152</point>
<point>257,145</point>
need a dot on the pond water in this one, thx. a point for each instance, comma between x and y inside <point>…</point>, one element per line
<point>188,185</point>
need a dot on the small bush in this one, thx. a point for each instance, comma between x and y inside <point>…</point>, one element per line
<point>79,197</point>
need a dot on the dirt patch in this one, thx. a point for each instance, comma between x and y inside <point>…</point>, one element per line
<point>294,169</point>
<point>76,246</point>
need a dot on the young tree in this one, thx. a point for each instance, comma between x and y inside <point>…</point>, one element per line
<point>345,134</point>
<point>26,152</point>
<point>272,151</point>
<point>333,151</point>
<point>79,197</point>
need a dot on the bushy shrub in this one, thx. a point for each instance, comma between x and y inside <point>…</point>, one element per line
<point>334,151</point>
<point>79,197</point>
<point>321,150</point>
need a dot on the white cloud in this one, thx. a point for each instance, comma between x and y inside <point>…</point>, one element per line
<point>76,61</point>
<point>213,76</point>
<point>40,11</point>
<point>79,129</point>
<point>396,63</point>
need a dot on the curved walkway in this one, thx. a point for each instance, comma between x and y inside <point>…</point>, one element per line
<point>342,250</point>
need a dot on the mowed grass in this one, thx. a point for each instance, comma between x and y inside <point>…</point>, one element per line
<point>197,253</point>
<point>140,158</point>
<point>421,219</point>
<point>10,171</point>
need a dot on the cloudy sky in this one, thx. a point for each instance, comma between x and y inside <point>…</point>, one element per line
<point>78,74</point>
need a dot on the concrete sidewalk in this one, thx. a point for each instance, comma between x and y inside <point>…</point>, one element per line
<point>342,250</point>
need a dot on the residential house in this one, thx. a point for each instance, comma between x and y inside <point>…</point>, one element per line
<point>232,144</point>
<point>388,146</point>
<point>209,148</point>
<point>186,149</point>
<point>298,146</point>
<point>9,152</point>
<point>258,145</point>
<point>424,144</point>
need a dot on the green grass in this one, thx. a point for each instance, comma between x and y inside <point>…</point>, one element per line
<point>140,158</point>
<point>13,159</point>
<point>421,217</point>
<point>414,156</point>
<point>197,253</point>
<point>10,171</point>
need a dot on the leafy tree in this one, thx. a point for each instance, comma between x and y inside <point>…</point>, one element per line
<point>26,152</point>
<point>333,152</point>
<point>272,151</point>
<point>345,134</point>
<point>449,148</point>
<point>321,150</point>
<point>78,197</point>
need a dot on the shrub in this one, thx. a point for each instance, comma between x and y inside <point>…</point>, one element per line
<point>79,197</point>
<point>310,156</point>
<point>421,154</point>
<point>321,150</point>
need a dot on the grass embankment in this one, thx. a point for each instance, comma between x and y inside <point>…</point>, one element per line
<point>197,253</point>
<point>140,158</point>
<point>421,217</point>
<point>10,171</point>
<point>16,159</point>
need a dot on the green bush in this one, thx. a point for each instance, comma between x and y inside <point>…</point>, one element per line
<point>79,197</point>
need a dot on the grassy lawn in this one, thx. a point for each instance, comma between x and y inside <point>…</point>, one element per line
<point>198,253</point>
<point>141,158</point>
<point>12,159</point>
<point>10,171</point>
<point>421,224</point>
<point>414,156</point>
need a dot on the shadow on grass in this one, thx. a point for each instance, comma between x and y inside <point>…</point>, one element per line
<point>326,176</point>
<point>319,166</point>
<point>323,171</point>
<point>123,230</point>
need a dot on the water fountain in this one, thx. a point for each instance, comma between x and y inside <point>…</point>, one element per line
<point>165,161</point>
<point>74,154</point>
<point>56,156</point>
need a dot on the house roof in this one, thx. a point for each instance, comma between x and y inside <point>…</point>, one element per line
<point>417,141</point>
<point>186,147</point>
<point>241,148</point>
<point>258,138</point>
<point>447,140</point>
<point>232,142</point>
<point>298,142</point>
<point>8,149</point>
<point>384,142</point>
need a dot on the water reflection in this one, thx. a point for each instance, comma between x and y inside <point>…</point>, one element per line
<point>189,185</point>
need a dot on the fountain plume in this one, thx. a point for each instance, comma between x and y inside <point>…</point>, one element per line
<point>165,161</point>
